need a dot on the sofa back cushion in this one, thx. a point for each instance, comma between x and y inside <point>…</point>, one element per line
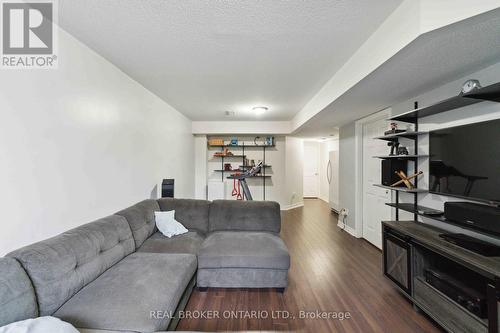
<point>141,218</point>
<point>17,297</point>
<point>193,214</point>
<point>62,265</point>
<point>245,216</point>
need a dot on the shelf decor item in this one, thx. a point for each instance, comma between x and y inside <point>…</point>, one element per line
<point>224,153</point>
<point>216,142</point>
<point>402,151</point>
<point>394,147</point>
<point>470,86</point>
<point>394,129</point>
<point>234,142</point>
<point>406,179</point>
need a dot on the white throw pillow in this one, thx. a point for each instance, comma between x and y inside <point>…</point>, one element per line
<point>39,325</point>
<point>166,223</point>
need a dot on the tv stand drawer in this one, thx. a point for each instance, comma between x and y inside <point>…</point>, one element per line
<point>449,314</point>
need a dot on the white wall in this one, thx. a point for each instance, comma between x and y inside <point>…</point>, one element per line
<point>200,165</point>
<point>81,142</point>
<point>347,172</point>
<point>294,172</point>
<point>242,127</point>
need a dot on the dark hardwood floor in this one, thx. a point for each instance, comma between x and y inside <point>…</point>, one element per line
<point>331,271</point>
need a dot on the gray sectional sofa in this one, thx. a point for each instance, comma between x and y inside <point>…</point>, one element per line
<point>114,273</point>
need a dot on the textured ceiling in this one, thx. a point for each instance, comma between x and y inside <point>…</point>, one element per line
<point>206,57</point>
<point>430,61</point>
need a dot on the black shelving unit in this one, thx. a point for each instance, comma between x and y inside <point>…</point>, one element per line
<point>243,166</point>
<point>488,93</point>
<point>402,189</point>
<point>414,135</point>
<point>395,136</point>
<point>401,157</point>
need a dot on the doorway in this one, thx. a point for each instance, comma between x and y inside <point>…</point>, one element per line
<point>311,169</point>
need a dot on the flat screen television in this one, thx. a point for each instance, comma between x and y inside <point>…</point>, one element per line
<point>465,161</point>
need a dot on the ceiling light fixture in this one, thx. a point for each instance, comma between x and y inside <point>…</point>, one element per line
<point>259,109</point>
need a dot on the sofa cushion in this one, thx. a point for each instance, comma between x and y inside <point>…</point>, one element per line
<point>124,297</point>
<point>193,214</point>
<point>17,297</point>
<point>60,266</point>
<point>245,216</point>
<point>189,242</point>
<point>141,218</point>
<point>233,249</point>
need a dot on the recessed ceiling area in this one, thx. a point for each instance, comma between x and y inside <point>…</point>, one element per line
<point>207,58</point>
<point>430,61</point>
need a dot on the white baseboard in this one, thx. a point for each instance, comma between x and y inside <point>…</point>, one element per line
<point>348,229</point>
<point>295,205</point>
<point>325,200</point>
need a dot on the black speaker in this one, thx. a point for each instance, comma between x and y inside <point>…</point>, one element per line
<point>476,216</point>
<point>389,168</point>
<point>167,188</point>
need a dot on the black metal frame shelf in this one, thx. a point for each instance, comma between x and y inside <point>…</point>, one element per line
<point>442,106</point>
<point>241,146</point>
<point>490,93</point>
<point>412,135</point>
<point>237,170</point>
<point>415,134</point>
<point>244,166</point>
<point>401,157</point>
<point>409,207</point>
<point>249,166</point>
<point>402,189</point>
<point>230,156</point>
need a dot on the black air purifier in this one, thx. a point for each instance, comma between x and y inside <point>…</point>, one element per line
<point>389,168</point>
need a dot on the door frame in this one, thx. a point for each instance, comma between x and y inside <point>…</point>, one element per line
<point>358,158</point>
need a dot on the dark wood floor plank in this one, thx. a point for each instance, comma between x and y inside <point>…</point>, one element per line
<point>330,271</point>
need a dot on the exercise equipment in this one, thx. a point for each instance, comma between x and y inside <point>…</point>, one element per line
<point>239,182</point>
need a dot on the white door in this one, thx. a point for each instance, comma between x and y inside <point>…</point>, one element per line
<point>334,179</point>
<point>311,169</point>
<point>374,198</point>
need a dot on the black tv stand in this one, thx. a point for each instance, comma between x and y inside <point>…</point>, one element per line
<point>413,249</point>
<point>472,244</point>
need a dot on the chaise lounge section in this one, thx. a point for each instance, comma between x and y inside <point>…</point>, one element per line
<point>113,273</point>
<point>244,248</point>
